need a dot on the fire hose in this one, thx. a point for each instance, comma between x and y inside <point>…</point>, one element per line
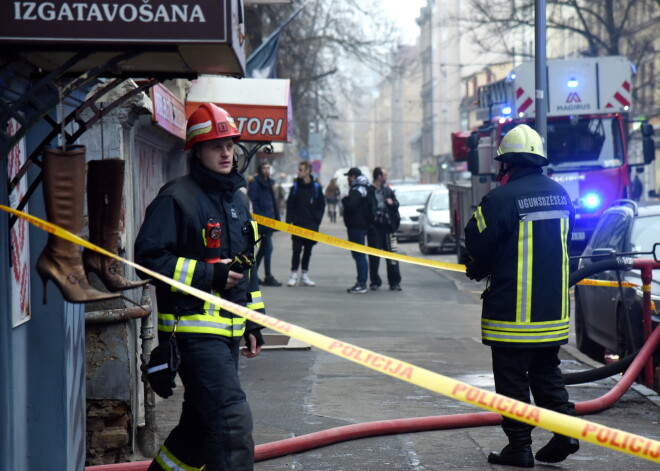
<point>331,436</point>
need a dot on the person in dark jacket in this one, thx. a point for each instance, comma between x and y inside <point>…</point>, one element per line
<point>304,208</point>
<point>264,203</point>
<point>357,218</point>
<point>381,231</point>
<point>192,230</point>
<point>518,237</point>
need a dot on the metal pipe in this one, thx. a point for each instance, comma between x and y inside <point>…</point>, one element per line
<point>646,266</point>
<point>107,316</point>
<point>147,435</point>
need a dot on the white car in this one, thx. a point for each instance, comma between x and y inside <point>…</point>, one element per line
<point>411,198</point>
<point>434,224</point>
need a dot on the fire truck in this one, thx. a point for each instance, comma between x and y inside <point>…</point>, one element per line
<point>587,121</point>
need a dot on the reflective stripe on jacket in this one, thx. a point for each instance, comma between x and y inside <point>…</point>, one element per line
<point>520,234</point>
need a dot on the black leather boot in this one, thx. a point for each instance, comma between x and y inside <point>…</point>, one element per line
<point>558,449</point>
<point>520,456</point>
<point>518,452</point>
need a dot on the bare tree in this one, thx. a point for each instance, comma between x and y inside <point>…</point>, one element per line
<point>314,51</point>
<point>608,27</point>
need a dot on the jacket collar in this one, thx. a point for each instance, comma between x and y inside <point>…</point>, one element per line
<point>524,171</point>
<point>215,182</point>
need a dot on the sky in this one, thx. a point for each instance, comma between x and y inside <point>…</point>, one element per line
<point>404,13</point>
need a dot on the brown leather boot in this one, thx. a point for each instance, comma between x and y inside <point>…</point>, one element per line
<point>63,173</point>
<point>105,187</point>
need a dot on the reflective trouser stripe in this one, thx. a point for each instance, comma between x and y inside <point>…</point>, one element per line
<point>184,271</point>
<point>169,462</point>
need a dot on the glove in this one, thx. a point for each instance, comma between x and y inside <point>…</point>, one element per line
<point>220,274</point>
<point>473,270</point>
<point>163,364</point>
<point>257,335</point>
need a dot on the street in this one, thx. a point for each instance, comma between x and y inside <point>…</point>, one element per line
<point>433,323</point>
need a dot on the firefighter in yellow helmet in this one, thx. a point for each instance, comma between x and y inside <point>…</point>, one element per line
<point>198,231</point>
<point>518,237</point>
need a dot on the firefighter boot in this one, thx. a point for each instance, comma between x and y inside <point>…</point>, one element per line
<point>518,452</point>
<point>105,186</point>
<point>63,173</point>
<point>557,449</point>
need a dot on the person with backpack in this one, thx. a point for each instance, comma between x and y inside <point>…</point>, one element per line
<point>304,208</point>
<point>381,231</point>
<point>358,215</point>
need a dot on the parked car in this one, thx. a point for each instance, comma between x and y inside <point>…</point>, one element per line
<point>434,224</point>
<point>603,314</point>
<point>411,198</point>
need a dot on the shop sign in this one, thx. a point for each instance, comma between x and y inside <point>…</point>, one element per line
<point>93,21</point>
<point>261,108</point>
<point>169,111</point>
<point>174,38</point>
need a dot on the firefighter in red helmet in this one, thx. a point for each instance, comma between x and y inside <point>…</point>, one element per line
<point>198,231</point>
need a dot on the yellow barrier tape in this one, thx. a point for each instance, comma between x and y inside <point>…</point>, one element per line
<point>344,244</point>
<point>597,434</point>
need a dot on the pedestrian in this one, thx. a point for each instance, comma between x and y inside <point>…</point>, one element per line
<point>332,199</point>
<point>192,230</point>
<point>304,208</point>
<point>280,195</point>
<point>357,217</point>
<point>264,203</point>
<point>381,231</point>
<point>518,237</point>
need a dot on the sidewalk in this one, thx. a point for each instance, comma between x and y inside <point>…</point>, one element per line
<point>432,323</point>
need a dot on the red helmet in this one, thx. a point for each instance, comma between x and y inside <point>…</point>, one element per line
<point>209,122</point>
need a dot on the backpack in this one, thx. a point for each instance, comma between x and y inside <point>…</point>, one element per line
<point>370,204</point>
<point>317,188</point>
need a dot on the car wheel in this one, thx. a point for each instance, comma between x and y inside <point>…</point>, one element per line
<point>584,343</point>
<point>422,244</point>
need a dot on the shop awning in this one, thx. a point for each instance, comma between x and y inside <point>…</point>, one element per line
<point>170,38</point>
<point>261,107</point>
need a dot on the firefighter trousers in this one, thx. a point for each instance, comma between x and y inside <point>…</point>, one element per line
<point>517,371</point>
<point>215,427</point>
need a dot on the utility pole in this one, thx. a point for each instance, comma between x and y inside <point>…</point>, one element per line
<point>540,72</point>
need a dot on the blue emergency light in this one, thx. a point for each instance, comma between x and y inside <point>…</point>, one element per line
<point>591,200</point>
<point>572,83</point>
<point>506,110</point>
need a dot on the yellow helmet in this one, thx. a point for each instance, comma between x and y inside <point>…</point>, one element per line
<point>522,146</point>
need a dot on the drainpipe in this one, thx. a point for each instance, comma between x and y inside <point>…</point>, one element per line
<point>147,435</point>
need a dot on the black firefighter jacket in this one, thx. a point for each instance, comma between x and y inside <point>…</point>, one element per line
<point>520,235</point>
<point>172,242</point>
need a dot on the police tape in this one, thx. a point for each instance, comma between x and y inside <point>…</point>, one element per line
<point>344,244</point>
<point>618,440</point>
